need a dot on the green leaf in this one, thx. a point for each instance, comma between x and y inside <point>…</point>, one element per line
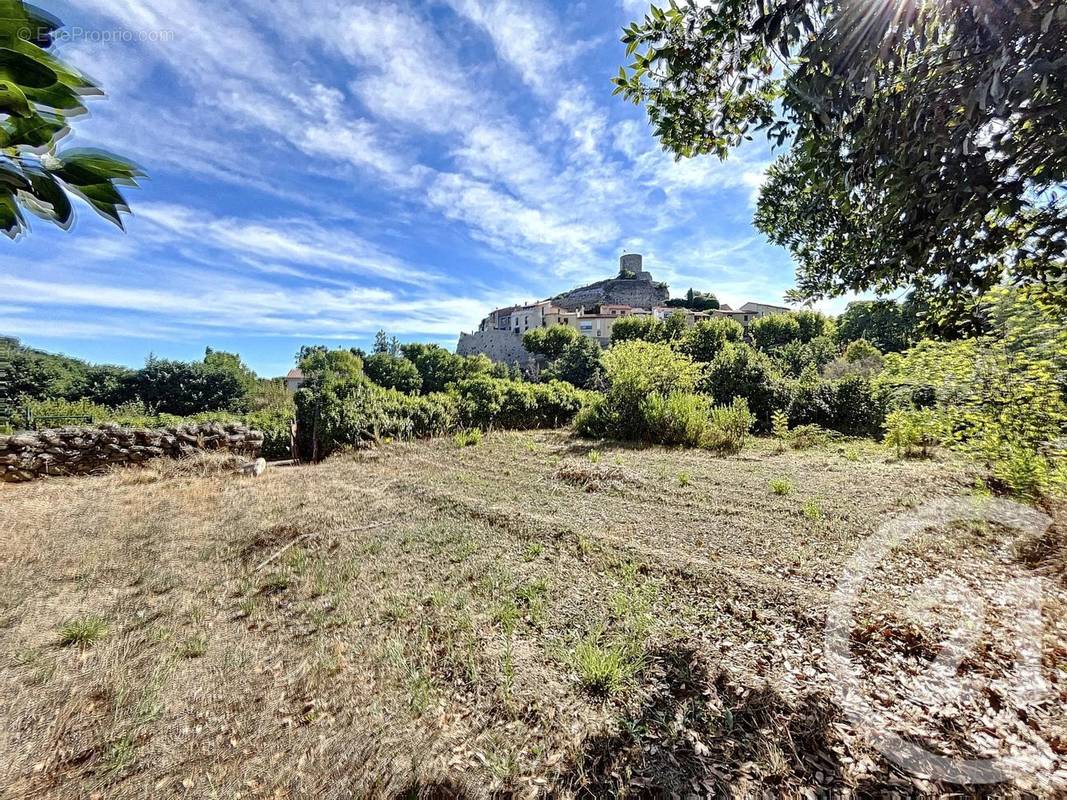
<point>13,100</point>
<point>11,221</point>
<point>40,130</point>
<point>82,167</point>
<point>25,71</point>
<point>52,202</point>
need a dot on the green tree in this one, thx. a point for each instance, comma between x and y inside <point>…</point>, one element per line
<point>550,342</point>
<point>381,342</point>
<point>704,340</point>
<point>928,143</point>
<point>890,326</point>
<point>392,372</point>
<point>108,386</point>
<point>642,328</point>
<point>673,328</point>
<point>39,95</point>
<point>439,369</point>
<point>232,363</point>
<point>861,350</point>
<point>813,325</point>
<point>184,389</point>
<point>579,364</point>
<point>742,371</point>
<point>695,301</point>
<point>777,330</point>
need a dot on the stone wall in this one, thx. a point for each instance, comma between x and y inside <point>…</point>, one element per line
<point>502,347</point>
<point>90,451</point>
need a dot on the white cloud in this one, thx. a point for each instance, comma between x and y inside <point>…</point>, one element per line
<point>297,241</point>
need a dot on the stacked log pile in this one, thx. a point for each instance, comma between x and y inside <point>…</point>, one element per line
<point>91,451</point>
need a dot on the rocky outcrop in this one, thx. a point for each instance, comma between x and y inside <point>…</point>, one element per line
<point>90,451</point>
<point>636,292</point>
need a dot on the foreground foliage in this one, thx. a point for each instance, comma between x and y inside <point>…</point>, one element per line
<point>928,139</point>
<point>39,95</point>
<point>1000,397</point>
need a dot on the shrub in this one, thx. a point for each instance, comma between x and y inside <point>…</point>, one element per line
<point>841,368</point>
<point>706,339</point>
<point>340,407</point>
<point>677,419</point>
<point>637,371</point>
<point>998,394</point>
<point>276,425</point>
<point>594,421</point>
<point>780,428</point>
<point>1024,473</point>
<point>912,433</point>
<point>805,437</point>
<point>392,372</point>
<point>728,427</point>
<point>811,401</point>
<point>852,405</point>
<point>487,403</point>
<point>741,371</point>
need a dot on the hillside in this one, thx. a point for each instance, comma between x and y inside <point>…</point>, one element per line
<point>636,292</point>
<point>520,618</point>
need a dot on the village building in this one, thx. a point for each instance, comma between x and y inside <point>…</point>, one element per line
<point>591,312</point>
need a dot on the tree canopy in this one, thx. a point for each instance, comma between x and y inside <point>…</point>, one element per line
<point>928,137</point>
<point>39,95</point>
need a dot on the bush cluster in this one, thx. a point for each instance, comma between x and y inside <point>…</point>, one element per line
<point>339,406</point>
<point>652,398</point>
<point>1001,397</point>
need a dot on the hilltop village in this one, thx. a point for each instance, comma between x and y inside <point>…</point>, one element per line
<point>592,310</point>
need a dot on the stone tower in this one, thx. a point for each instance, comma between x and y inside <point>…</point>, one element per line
<point>635,263</point>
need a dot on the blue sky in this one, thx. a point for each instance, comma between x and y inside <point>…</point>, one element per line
<point>320,169</point>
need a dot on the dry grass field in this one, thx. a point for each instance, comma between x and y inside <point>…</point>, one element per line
<point>528,617</point>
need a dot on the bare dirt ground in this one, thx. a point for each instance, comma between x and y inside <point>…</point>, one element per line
<point>530,617</point>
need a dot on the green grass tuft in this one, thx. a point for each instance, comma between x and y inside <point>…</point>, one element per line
<point>781,487</point>
<point>604,668</point>
<point>83,632</point>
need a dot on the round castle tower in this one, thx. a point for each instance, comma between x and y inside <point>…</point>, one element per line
<point>635,263</point>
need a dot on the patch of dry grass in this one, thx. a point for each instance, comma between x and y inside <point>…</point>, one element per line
<point>456,622</point>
